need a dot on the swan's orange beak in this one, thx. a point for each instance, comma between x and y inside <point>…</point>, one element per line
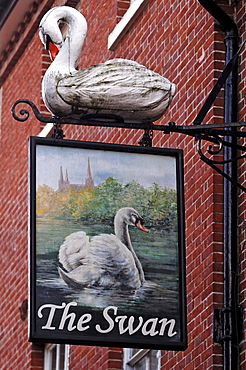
<point>53,50</point>
<point>140,226</point>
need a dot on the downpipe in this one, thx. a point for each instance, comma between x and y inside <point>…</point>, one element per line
<point>231,346</point>
<point>229,314</point>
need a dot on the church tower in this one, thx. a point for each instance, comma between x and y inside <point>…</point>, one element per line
<point>89,182</point>
<point>63,184</point>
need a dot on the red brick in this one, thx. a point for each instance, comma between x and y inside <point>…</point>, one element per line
<point>169,37</point>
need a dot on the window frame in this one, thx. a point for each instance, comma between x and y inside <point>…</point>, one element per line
<point>130,360</point>
<point>48,354</point>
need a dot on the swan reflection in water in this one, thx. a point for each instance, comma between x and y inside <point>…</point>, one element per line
<point>151,297</point>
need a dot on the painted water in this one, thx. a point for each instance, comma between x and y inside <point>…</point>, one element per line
<point>157,252</point>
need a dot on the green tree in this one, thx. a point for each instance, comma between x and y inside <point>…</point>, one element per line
<point>134,195</point>
<point>162,206</point>
<point>107,200</point>
<point>157,205</point>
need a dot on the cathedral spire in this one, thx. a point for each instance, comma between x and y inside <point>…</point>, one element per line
<point>61,180</point>
<point>89,182</point>
<point>61,174</point>
<point>64,183</point>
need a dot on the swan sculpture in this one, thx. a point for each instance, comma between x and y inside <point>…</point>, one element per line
<point>105,261</point>
<point>118,86</point>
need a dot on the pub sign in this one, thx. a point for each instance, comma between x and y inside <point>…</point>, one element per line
<point>106,245</point>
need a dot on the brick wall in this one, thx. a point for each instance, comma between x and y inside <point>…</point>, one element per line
<point>179,40</point>
<point>16,351</point>
<point>94,358</point>
<point>122,7</point>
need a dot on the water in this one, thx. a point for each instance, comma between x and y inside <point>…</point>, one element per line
<point>157,252</point>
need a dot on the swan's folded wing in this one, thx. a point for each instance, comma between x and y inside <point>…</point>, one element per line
<point>82,277</point>
<point>74,251</point>
<point>115,260</point>
<point>116,85</point>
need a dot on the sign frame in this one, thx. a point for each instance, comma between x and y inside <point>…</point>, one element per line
<point>72,322</point>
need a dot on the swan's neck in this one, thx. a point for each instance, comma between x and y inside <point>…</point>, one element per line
<point>122,233</point>
<point>67,58</point>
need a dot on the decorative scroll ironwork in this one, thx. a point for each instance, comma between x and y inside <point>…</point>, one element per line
<point>106,120</point>
<point>213,133</point>
<point>211,150</point>
<point>26,114</point>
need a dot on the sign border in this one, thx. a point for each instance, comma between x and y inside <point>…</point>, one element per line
<point>34,336</point>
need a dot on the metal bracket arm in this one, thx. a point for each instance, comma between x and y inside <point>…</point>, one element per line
<point>209,132</point>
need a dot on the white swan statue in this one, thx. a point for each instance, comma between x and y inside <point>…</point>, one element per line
<point>118,87</point>
<point>105,261</point>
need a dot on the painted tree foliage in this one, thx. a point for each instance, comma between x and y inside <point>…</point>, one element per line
<point>156,204</point>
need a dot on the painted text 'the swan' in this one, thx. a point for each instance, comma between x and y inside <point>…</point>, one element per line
<point>61,317</point>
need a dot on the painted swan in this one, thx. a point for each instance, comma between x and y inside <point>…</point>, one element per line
<point>118,86</point>
<point>107,260</point>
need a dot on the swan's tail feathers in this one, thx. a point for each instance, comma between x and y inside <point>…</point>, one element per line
<point>59,265</point>
<point>69,280</point>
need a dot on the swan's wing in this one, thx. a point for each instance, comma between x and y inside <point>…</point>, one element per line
<point>82,277</point>
<point>118,84</point>
<point>74,251</point>
<point>115,261</point>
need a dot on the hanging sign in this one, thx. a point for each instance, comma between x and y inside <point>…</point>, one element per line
<point>107,260</point>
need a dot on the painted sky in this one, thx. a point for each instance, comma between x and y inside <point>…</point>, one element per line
<point>123,166</point>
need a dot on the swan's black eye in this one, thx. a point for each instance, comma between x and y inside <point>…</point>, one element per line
<point>47,42</point>
<point>141,220</point>
<point>137,219</point>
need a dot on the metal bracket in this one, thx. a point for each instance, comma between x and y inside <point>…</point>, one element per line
<point>222,334</point>
<point>213,133</point>
<point>202,132</point>
<point>147,136</point>
<point>57,131</point>
<point>217,87</point>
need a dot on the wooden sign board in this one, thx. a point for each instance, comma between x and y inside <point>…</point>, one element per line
<point>97,279</point>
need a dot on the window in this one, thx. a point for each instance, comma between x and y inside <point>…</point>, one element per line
<point>56,357</point>
<point>141,359</point>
